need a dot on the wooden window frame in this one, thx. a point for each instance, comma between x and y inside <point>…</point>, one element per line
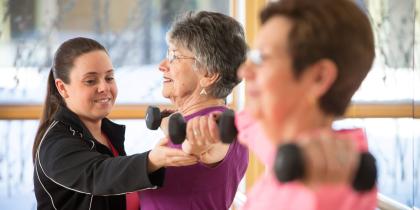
<point>255,168</point>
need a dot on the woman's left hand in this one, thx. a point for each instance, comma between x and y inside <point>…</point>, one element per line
<point>163,156</point>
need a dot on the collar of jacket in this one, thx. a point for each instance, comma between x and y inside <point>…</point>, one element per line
<point>115,132</point>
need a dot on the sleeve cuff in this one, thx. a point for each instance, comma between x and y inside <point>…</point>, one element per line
<point>156,178</point>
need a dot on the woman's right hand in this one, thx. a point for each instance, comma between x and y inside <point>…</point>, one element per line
<point>330,159</point>
<point>166,113</point>
<point>163,156</point>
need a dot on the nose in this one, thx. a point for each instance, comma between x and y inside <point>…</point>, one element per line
<point>103,86</point>
<point>164,65</point>
<point>246,70</point>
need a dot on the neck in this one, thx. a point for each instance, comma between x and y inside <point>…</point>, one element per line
<point>94,127</point>
<point>195,104</point>
<point>300,124</point>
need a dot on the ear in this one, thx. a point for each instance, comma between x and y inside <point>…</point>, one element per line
<point>322,75</point>
<point>61,87</point>
<point>209,79</point>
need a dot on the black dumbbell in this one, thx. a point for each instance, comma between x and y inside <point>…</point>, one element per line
<point>154,117</point>
<point>226,123</point>
<point>289,166</point>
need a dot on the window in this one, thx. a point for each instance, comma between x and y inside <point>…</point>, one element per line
<point>393,85</point>
<point>133,31</point>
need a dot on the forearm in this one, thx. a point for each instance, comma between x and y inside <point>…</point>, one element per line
<point>152,164</point>
<point>96,172</point>
<point>215,154</point>
<point>208,154</point>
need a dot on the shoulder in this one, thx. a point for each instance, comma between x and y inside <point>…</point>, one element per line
<point>60,137</point>
<point>59,131</point>
<point>237,151</point>
<point>237,154</point>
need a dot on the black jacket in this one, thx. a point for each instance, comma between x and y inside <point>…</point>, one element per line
<point>74,171</point>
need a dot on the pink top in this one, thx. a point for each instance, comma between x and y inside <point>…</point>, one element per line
<point>268,193</point>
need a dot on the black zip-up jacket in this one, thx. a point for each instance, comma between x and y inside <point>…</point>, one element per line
<point>74,171</point>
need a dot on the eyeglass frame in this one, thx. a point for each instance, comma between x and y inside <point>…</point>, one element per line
<point>175,57</point>
<point>255,56</point>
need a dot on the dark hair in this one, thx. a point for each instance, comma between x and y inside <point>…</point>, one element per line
<point>334,29</point>
<point>218,43</point>
<point>62,64</point>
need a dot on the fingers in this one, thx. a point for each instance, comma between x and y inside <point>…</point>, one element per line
<point>163,156</point>
<point>181,161</point>
<point>213,127</point>
<point>172,152</point>
<point>315,166</point>
<point>163,142</point>
<point>190,132</point>
<point>164,125</point>
<point>329,148</point>
<point>197,133</point>
<point>202,131</point>
<point>176,157</point>
<point>329,159</point>
<point>351,157</point>
<point>344,160</point>
<point>166,112</point>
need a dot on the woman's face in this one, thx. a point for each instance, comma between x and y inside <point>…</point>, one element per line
<point>180,79</point>
<point>92,90</point>
<point>273,93</point>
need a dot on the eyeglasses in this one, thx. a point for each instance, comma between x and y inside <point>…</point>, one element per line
<point>170,55</point>
<point>255,56</point>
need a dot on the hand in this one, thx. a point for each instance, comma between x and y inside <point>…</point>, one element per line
<point>163,156</point>
<point>202,133</point>
<point>329,159</point>
<point>164,123</point>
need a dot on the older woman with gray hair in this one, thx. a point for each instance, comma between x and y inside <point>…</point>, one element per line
<point>205,49</point>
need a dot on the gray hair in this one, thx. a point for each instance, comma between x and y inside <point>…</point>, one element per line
<point>218,43</point>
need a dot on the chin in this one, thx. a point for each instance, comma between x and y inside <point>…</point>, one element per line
<point>102,115</point>
<point>255,110</point>
<point>165,94</point>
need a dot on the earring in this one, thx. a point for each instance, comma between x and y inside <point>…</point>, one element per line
<point>203,92</point>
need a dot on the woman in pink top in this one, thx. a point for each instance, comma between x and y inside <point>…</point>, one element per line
<point>308,60</point>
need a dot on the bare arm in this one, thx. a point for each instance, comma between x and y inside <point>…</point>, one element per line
<point>215,154</point>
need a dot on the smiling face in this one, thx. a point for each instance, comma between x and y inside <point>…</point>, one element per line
<point>274,94</point>
<point>180,79</point>
<point>92,91</point>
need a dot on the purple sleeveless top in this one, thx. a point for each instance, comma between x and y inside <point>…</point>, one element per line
<point>199,186</point>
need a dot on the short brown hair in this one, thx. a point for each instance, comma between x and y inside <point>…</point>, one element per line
<point>334,29</point>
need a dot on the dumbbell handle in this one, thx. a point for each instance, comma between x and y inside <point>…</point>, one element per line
<point>154,117</point>
<point>289,166</point>
<point>226,123</point>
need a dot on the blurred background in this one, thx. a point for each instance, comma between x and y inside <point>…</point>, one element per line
<point>387,105</point>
